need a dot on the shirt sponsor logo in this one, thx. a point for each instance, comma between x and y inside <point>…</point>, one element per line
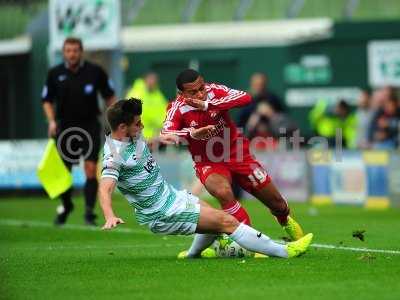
<point>89,88</point>
<point>219,127</point>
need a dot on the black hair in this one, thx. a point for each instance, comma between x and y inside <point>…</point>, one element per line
<point>186,76</point>
<point>123,112</point>
<point>344,105</point>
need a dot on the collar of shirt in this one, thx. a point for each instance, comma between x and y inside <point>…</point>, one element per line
<point>81,64</point>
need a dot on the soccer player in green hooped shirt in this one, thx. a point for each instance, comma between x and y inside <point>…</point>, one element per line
<point>129,165</point>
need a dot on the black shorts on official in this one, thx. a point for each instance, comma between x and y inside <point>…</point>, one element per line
<point>76,140</point>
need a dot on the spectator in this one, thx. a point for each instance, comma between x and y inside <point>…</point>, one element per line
<point>364,116</point>
<point>325,121</point>
<point>260,93</point>
<point>266,122</point>
<point>384,130</point>
<point>154,103</point>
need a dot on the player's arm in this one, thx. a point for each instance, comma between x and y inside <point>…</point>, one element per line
<point>173,123</point>
<point>48,95</point>
<point>106,189</point>
<point>173,133</point>
<point>224,98</point>
<point>109,178</point>
<point>48,109</point>
<point>106,88</point>
<point>227,98</point>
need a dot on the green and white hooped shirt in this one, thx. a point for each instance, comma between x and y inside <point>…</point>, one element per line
<point>138,178</point>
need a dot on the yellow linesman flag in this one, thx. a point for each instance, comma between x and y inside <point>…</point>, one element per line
<point>52,172</point>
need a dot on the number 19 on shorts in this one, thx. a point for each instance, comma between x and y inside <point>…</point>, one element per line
<point>259,176</point>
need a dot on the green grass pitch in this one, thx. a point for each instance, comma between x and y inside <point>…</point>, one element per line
<point>38,261</point>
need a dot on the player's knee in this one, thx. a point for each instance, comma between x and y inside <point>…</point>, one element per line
<point>228,223</point>
<point>224,194</point>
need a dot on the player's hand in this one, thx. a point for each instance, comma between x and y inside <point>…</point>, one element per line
<point>196,103</point>
<point>203,132</point>
<point>168,139</point>
<point>112,223</point>
<point>52,129</point>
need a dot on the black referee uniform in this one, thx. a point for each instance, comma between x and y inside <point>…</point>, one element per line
<point>75,96</point>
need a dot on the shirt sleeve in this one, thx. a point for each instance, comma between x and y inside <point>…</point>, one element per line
<point>106,85</point>
<point>227,98</point>
<point>49,89</point>
<point>173,121</point>
<point>111,167</point>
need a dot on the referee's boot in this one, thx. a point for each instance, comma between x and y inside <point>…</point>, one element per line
<point>90,218</point>
<point>62,214</point>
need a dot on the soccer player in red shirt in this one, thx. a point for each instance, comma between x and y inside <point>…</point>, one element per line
<point>220,152</point>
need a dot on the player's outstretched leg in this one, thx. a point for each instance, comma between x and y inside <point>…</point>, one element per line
<point>219,186</point>
<point>216,221</point>
<point>270,197</point>
<point>200,241</point>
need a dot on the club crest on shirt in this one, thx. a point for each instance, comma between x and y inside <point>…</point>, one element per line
<point>193,123</point>
<point>62,77</point>
<point>89,88</point>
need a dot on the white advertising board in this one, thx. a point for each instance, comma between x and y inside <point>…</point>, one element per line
<point>96,22</point>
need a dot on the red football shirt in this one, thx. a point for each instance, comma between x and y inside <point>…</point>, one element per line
<point>227,143</point>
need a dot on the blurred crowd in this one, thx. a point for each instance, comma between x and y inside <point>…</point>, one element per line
<point>373,124</point>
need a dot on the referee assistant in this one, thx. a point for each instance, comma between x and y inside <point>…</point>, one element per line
<point>70,103</point>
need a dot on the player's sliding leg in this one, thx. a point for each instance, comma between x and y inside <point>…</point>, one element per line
<point>200,241</point>
<point>216,221</point>
<point>220,187</point>
<point>270,196</point>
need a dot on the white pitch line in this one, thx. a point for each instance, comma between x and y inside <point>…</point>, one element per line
<point>21,223</point>
<point>355,249</point>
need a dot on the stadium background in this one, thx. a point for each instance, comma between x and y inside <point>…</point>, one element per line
<point>310,49</point>
<point>325,51</point>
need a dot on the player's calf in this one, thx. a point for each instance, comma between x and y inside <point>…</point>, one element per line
<point>270,197</point>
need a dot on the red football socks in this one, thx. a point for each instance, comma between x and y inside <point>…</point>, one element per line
<point>235,209</point>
